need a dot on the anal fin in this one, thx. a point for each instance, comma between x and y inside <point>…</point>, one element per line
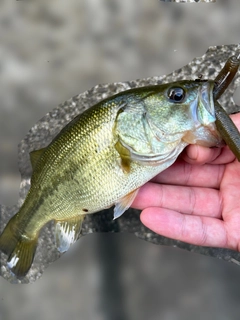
<point>124,203</point>
<point>67,232</point>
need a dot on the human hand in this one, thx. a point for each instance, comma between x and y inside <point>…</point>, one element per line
<point>197,199</point>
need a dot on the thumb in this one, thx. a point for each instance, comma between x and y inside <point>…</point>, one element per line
<point>195,154</point>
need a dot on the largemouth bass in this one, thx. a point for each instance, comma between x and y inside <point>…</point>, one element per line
<point>103,156</point>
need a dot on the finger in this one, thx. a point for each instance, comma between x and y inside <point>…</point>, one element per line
<point>225,157</point>
<point>236,119</point>
<point>182,173</point>
<point>195,154</point>
<point>188,200</point>
<point>231,191</point>
<point>202,231</point>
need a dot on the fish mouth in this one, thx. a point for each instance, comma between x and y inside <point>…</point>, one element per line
<point>203,113</point>
<point>202,108</point>
<point>206,136</point>
<point>206,103</point>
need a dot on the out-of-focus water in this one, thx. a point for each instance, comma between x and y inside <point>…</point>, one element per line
<point>50,51</point>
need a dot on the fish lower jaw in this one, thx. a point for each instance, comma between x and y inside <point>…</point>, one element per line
<point>204,136</point>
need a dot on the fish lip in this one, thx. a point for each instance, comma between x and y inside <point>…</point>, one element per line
<point>203,114</point>
<point>207,101</point>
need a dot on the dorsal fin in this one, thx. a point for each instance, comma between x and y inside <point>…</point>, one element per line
<point>35,155</point>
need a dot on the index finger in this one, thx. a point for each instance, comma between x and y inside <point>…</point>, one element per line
<point>197,230</point>
<point>185,174</point>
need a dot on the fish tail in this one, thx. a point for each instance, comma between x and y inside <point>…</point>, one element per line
<point>20,249</point>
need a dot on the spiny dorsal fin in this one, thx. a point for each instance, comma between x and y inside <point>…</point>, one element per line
<point>35,155</point>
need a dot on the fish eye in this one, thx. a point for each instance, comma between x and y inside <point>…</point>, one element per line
<point>176,94</point>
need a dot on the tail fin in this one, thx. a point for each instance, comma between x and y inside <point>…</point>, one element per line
<point>19,249</point>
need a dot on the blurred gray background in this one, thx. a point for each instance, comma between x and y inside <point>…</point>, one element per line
<point>50,51</point>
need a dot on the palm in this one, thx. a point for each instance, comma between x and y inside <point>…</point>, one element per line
<point>196,203</point>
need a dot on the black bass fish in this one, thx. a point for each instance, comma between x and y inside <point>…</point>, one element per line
<point>103,156</point>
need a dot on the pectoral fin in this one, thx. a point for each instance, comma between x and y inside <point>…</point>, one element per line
<point>124,203</point>
<point>67,232</point>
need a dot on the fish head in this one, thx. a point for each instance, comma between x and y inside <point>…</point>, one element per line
<point>183,109</point>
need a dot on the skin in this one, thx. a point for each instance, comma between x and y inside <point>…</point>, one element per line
<point>196,200</point>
